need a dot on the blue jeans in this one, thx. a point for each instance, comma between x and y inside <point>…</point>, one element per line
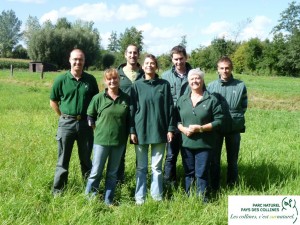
<point>121,170</point>
<point>156,190</point>
<point>101,154</point>
<point>232,142</point>
<point>173,149</point>
<point>196,166</point>
<point>69,131</point>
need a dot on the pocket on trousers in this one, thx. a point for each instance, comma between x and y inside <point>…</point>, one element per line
<point>58,136</point>
<point>238,124</point>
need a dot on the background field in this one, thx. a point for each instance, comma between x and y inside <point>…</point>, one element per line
<point>269,159</point>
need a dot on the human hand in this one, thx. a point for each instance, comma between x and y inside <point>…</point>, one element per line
<point>170,136</point>
<point>133,138</point>
<point>188,132</point>
<point>193,128</point>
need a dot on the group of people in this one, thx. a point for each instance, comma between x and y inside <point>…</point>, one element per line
<point>175,114</point>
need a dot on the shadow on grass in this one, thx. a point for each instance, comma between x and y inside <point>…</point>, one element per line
<point>260,177</point>
<point>264,176</point>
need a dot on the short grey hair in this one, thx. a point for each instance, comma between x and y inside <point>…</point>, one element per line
<point>196,71</point>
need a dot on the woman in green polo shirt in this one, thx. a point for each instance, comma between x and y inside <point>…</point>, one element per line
<point>110,110</point>
<point>199,115</point>
<point>151,115</point>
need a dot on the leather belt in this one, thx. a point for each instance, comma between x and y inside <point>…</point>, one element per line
<point>77,117</point>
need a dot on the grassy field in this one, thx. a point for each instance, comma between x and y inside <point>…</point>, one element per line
<point>269,159</point>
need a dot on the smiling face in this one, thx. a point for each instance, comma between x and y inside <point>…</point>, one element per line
<point>132,55</point>
<point>150,66</point>
<point>195,82</point>
<point>77,60</point>
<point>111,79</point>
<point>179,61</point>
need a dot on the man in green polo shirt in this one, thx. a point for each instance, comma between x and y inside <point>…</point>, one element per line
<point>70,96</point>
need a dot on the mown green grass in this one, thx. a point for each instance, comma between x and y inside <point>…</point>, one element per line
<point>270,151</point>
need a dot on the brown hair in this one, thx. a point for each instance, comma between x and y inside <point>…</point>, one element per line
<point>134,45</point>
<point>225,59</point>
<point>153,58</point>
<point>178,50</point>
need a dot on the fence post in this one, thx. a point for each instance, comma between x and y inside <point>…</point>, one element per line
<point>42,73</point>
<point>11,70</point>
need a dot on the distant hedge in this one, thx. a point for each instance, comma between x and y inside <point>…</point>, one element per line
<point>17,63</point>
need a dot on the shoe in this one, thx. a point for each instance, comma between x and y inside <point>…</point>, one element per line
<point>139,202</point>
<point>57,193</point>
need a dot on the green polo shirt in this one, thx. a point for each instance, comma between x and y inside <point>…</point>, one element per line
<point>207,110</point>
<point>74,96</point>
<point>151,110</point>
<point>112,124</point>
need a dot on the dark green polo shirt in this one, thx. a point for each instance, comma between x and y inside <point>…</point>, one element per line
<point>207,110</point>
<point>112,124</point>
<point>74,96</point>
<point>151,110</point>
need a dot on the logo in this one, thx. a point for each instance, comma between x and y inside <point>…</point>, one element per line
<point>289,204</point>
<point>263,210</point>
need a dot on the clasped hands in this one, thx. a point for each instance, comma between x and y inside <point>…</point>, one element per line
<point>191,129</point>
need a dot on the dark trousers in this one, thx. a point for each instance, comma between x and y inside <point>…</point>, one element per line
<point>196,168</point>
<point>71,130</point>
<point>173,149</point>
<point>232,143</point>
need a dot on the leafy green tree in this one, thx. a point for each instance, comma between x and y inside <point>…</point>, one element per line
<point>222,47</point>
<point>9,32</point>
<point>207,57</point>
<point>183,42</point>
<point>239,58</point>
<point>52,43</point>
<point>113,45</point>
<point>164,61</point>
<point>289,19</point>
<point>131,36</point>
<point>63,23</point>
<point>248,56</point>
<point>253,53</point>
<point>108,60</point>
<point>290,58</point>
<point>287,57</point>
<point>203,57</point>
<point>20,52</point>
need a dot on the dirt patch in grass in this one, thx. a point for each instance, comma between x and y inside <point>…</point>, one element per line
<point>291,103</point>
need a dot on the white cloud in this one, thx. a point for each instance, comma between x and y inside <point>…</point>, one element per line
<point>104,39</point>
<point>29,1</point>
<point>172,11</point>
<point>99,12</point>
<point>169,8</point>
<point>259,27</point>
<point>157,3</point>
<point>160,33</point>
<point>130,12</point>
<point>217,28</point>
<point>160,40</point>
<point>92,12</point>
<point>52,16</point>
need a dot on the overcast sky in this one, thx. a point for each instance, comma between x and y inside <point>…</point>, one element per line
<point>163,22</point>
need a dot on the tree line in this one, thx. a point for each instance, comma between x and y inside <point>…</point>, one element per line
<point>52,43</point>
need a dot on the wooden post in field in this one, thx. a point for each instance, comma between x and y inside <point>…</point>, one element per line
<point>42,73</point>
<point>11,70</point>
